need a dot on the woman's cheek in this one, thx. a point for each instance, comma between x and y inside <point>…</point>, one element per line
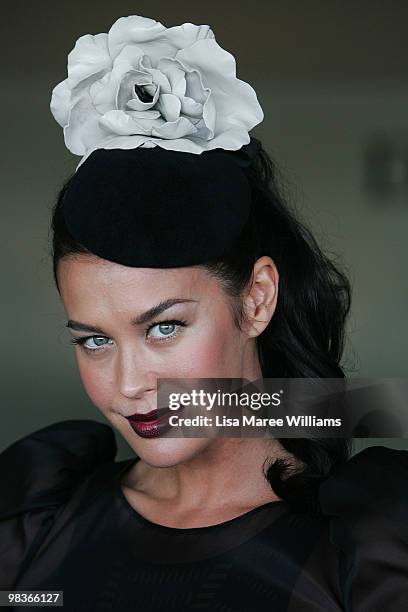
<point>204,356</point>
<point>96,384</point>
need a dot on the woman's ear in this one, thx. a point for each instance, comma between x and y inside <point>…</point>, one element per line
<point>261,298</point>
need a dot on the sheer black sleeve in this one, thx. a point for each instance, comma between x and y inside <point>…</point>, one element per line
<point>38,474</point>
<point>367,500</point>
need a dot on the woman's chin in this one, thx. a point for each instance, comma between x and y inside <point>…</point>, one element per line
<point>168,452</point>
<point>161,450</point>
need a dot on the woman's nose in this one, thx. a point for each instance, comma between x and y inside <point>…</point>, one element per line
<point>134,377</point>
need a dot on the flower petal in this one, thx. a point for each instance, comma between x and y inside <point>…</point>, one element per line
<point>116,142</point>
<point>232,140</point>
<point>169,106</point>
<point>137,104</point>
<point>160,79</point>
<point>151,89</point>
<point>89,56</point>
<point>143,79</point>
<point>209,117</point>
<point>187,34</point>
<point>128,59</point>
<point>191,108</point>
<point>175,129</point>
<point>180,144</point>
<point>175,74</point>
<point>147,114</point>
<point>235,101</point>
<point>131,30</point>
<point>61,103</point>
<point>149,35</point>
<point>126,90</point>
<point>124,124</point>
<point>194,86</point>
<point>103,92</point>
<point>83,129</point>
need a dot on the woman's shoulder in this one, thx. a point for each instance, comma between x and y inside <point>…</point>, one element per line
<point>39,473</point>
<point>373,480</point>
<point>366,500</point>
<point>42,467</point>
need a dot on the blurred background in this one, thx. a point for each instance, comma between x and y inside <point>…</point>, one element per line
<point>331,77</point>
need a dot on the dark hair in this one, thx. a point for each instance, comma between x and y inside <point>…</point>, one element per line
<point>305,337</point>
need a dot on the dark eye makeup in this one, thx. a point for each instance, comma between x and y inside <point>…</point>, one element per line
<point>177,322</point>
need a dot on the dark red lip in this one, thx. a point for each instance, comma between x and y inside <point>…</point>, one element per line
<point>153,415</point>
<point>152,424</point>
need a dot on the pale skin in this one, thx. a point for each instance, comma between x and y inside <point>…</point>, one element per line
<point>178,482</point>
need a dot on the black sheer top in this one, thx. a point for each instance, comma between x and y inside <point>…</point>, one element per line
<point>65,524</point>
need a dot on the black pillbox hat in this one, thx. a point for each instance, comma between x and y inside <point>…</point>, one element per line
<point>155,208</point>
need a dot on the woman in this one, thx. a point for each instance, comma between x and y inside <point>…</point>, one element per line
<point>175,256</point>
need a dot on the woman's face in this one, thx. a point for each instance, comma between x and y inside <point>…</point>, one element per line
<point>123,351</point>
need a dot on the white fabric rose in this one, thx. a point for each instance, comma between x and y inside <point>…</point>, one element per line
<point>143,84</point>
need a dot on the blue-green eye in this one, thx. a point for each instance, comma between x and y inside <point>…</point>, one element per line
<point>164,330</point>
<point>92,343</point>
<point>97,341</point>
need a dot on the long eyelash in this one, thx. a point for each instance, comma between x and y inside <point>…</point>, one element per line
<point>170,321</point>
<point>81,343</point>
<point>182,323</point>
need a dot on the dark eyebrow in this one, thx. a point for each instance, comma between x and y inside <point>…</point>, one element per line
<point>84,327</point>
<point>146,316</point>
<point>158,309</point>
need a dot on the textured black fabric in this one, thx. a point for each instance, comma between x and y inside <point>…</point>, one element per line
<point>153,208</point>
<point>65,524</point>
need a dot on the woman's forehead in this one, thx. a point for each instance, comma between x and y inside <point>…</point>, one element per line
<point>105,294</point>
<point>87,272</point>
